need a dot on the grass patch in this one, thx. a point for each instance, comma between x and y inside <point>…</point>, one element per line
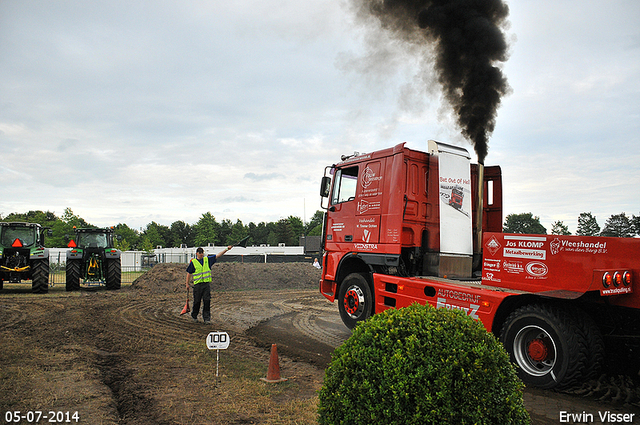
<point>238,394</point>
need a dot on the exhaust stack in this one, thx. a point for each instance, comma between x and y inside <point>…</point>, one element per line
<point>477,230</point>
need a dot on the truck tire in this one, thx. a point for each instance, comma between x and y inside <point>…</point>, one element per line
<point>73,275</point>
<point>40,276</point>
<point>355,300</point>
<point>594,344</point>
<point>547,345</point>
<point>114,274</point>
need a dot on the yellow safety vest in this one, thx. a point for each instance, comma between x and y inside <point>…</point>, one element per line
<point>203,271</point>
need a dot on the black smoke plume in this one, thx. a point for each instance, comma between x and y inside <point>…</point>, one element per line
<point>468,40</point>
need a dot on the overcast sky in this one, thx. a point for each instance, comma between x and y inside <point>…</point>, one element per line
<point>139,111</point>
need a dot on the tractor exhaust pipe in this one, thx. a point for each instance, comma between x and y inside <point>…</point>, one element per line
<point>477,230</point>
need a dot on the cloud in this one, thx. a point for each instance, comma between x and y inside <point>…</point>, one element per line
<point>263,177</point>
<point>239,200</point>
<point>143,111</point>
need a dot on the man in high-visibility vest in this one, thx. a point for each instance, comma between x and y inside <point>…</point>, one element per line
<point>199,270</point>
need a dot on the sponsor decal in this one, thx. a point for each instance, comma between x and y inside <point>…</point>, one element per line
<point>393,235</point>
<point>493,245</point>
<point>525,241</point>
<point>529,247</point>
<point>366,246</point>
<point>537,269</point>
<point>578,246</point>
<point>471,310</point>
<point>536,254</point>
<point>368,177</point>
<point>513,267</point>
<point>581,244</point>
<point>369,193</point>
<point>364,206</point>
<point>337,227</point>
<point>616,291</point>
<point>491,265</point>
<point>491,277</point>
<point>369,226</point>
<point>458,295</point>
<point>364,220</point>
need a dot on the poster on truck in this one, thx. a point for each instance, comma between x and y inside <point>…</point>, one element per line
<point>455,204</point>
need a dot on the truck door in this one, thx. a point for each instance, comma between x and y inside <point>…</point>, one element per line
<point>356,204</point>
<point>368,210</point>
<point>342,207</point>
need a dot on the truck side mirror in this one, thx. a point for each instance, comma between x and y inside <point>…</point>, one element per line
<point>325,187</point>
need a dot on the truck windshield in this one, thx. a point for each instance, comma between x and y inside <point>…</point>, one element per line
<point>345,185</point>
<point>26,235</point>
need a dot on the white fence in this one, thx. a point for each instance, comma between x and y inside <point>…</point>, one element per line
<point>130,260</point>
<point>139,260</point>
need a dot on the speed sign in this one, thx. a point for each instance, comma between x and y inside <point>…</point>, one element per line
<point>218,341</point>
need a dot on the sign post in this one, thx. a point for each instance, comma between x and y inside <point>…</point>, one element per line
<point>218,341</point>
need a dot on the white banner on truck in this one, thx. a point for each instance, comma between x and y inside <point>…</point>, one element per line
<point>455,200</point>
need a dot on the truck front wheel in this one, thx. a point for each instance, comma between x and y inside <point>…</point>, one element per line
<point>355,301</point>
<point>547,345</point>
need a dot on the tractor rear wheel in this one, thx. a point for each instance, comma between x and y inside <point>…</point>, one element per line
<point>547,344</point>
<point>114,275</point>
<point>40,276</point>
<point>73,275</point>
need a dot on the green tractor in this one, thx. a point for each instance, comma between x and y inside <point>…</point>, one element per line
<point>23,255</point>
<point>93,259</point>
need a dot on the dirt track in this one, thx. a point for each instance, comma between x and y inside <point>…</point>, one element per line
<point>128,357</point>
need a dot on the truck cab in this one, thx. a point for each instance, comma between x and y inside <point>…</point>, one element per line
<point>405,212</point>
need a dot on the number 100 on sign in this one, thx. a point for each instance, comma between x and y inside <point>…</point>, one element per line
<point>218,341</point>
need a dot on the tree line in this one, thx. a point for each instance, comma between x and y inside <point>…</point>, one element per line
<point>207,230</point>
<point>617,225</point>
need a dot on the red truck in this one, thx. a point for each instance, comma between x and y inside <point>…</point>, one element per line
<point>404,226</point>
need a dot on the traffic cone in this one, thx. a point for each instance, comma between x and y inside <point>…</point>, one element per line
<point>186,309</point>
<point>273,374</point>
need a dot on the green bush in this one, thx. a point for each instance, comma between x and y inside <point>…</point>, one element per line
<point>419,365</point>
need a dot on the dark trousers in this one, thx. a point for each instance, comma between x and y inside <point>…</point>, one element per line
<point>202,292</point>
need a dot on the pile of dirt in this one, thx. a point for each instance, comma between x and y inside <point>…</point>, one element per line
<point>170,277</point>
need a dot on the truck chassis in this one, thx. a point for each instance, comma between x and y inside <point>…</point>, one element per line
<point>404,226</point>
